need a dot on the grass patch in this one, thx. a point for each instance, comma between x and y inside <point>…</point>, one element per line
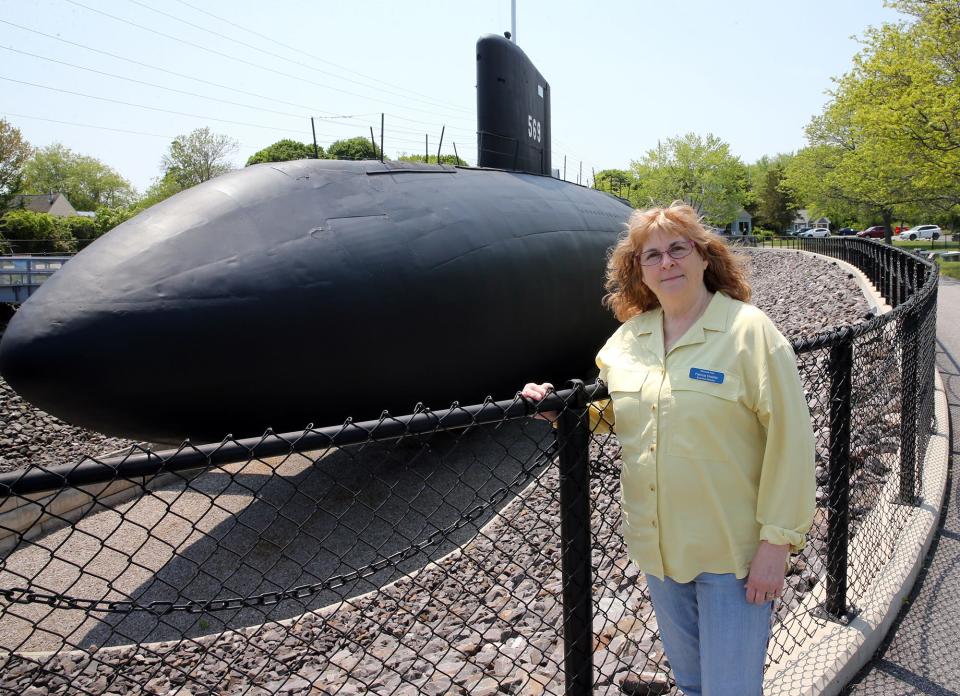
<point>951,269</point>
<point>926,244</point>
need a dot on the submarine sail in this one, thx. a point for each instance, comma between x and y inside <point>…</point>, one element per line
<point>513,109</point>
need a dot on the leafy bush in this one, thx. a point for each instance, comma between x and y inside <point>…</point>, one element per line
<point>358,148</point>
<point>108,218</point>
<point>444,159</point>
<point>284,151</point>
<point>30,232</point>
<point>81,228</point>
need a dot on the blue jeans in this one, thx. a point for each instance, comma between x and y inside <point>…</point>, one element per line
<point>715,640</point>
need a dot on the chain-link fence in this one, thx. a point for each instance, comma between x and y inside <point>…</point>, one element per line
<point>475,550</point>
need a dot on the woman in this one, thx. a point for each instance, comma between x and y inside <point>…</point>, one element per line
<point>718,455</point>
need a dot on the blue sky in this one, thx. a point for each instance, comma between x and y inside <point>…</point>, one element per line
<point>623,75</point>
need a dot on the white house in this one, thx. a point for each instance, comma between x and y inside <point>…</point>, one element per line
<point>802,219</point>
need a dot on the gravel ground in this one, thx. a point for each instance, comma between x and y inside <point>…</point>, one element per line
<point>421,634</point>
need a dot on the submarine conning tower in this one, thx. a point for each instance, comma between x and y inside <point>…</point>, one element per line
<point>513,109</point>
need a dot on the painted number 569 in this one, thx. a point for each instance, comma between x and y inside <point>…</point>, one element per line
<point>533,128</point>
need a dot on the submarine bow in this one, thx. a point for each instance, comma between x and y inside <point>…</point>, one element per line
<point>306,292</point>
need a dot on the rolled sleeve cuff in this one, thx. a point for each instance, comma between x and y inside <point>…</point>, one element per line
<point>601,416</point>
<point>780,536</point>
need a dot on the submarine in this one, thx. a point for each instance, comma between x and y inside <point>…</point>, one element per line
<point>303,293</point>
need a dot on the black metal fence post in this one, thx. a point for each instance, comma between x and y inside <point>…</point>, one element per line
<point>574,443</point>
<point>918,276</point>
<point>900,269</point>
<point>838,512</point>
<point>909,363</point>
<point>887,269</point>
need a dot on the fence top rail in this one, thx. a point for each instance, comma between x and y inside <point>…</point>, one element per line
<point>144,462</point>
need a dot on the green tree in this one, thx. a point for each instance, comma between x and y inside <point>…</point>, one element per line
<point>770,203</point>
<point>904,89</point>
<point>444,159</point>
<point>616,181</point>
<point>284,151</point>
<point>887,145</point>
<point>28,232</point>
<point>87,182</point>
<point>109,217</point>
<point>198,156</point>
<point>14,152</point>
<point>695,169</point>
<point>358,148</point>
<point>160,190</point>
<point>843,173</point>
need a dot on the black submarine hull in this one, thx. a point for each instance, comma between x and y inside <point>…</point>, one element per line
<point>307,292</point>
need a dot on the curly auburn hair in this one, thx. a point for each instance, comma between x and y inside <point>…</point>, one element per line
<point>627,295</point>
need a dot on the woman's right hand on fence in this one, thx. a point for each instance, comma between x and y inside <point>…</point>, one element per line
<point>537,392</point>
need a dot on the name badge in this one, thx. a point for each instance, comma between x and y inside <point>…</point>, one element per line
<point>706,375</point>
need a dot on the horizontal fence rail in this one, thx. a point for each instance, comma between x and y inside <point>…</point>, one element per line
<point>470,550</point>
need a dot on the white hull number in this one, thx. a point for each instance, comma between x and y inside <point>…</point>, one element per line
<point>533,128</point>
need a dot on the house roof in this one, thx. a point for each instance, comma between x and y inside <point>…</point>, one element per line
<point>37,202</point>
<point>803,216</point>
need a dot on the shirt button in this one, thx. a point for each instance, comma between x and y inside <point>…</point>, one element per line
<point>653,407</point>
<point>654,523</point>
<point>653,448</point>
<point>652,487</point>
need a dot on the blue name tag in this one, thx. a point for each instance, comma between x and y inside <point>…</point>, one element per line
<point>706,375</point>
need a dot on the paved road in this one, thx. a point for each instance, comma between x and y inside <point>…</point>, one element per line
<point>922,651</point>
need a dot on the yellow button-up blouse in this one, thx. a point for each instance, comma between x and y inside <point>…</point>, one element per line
<point>716,439</point>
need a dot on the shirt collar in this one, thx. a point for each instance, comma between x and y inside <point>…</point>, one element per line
<point>714,318</point>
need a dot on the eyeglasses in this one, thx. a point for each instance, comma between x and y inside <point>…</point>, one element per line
<point>677,251</point>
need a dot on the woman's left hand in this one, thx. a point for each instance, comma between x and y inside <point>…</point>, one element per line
<point>767,568</point>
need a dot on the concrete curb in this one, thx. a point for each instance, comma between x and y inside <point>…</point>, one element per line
<point>822,664</point>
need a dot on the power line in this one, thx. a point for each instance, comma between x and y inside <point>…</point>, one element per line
<point>297,50</point>
<point>88,125</point>
<point>239,60</point>
<point>471,131</point>
<point>151,84</point>
<point>330,117</point>
<point>429,101</point>
<point>169,72</point>
<point>152,108</point>
<point>194,94</point>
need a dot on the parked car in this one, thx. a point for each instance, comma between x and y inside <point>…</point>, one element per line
<point>797,232</point>
<point>875,232</point>
<point>846,231</point>
<point>921,232</point>
<point>815,232</point>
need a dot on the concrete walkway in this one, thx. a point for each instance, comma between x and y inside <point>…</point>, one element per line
<point>921,654</point>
